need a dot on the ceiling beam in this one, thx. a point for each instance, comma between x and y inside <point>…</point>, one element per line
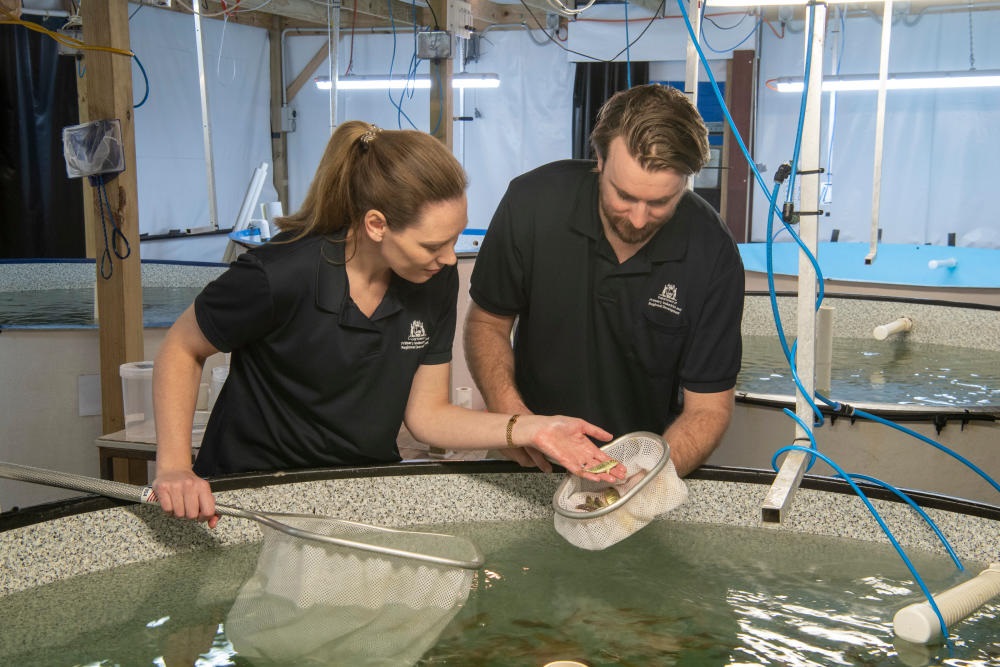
<point>306,13</point>
<point>364,14</point>
<point>493,12</point>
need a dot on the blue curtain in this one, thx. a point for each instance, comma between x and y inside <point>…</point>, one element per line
<point>41,208</point>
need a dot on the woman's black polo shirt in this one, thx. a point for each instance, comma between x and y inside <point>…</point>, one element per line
<point>313,381</point>
<point>610,343</point>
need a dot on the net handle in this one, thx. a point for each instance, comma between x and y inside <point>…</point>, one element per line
<point>269,521</point>
<point>145,494</point>
<point>618,504</point>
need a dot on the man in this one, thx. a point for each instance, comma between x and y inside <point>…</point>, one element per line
<point>626,287</point>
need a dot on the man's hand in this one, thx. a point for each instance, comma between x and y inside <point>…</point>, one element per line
<point>526,457</point>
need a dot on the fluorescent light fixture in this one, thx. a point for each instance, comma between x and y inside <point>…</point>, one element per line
<point>370,82</point>
<point>472,80</point>
<point>366,82</point>
<point>769,3</point>
<point>986,78</point>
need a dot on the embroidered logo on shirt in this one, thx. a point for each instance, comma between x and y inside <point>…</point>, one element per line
<point>418,337</point>
<point>666,299</point>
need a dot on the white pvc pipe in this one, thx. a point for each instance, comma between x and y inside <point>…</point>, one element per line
<point>332,50</point>
<point>251,197</point>
<point>948,263</point>
<point>692,62</point>
<point>206,121</point>
<point>883,76</point>
<point>271,210</point>
<point>883,331</point>
<point>44,13</point>
<point>779,496</point>
<point>919,624</point>
<point>824,348</point>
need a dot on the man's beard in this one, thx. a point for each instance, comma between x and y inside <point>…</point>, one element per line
<point>624,229</point>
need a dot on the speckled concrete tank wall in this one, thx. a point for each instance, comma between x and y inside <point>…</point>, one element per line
<point>56,543</point>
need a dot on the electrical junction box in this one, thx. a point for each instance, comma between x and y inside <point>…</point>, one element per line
<point>434,44</point>
<point>460,18</point>
<point>288,115</point>
<point>72,32</point>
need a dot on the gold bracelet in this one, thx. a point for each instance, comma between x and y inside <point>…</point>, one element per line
<point>510,430</point>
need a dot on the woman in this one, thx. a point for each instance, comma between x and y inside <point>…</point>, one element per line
<point>340,329</point>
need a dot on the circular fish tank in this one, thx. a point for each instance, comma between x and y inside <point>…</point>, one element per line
<point>939,381</point>
<point>707,583</point>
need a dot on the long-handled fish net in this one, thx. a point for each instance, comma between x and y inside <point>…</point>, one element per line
<point>327,589</point>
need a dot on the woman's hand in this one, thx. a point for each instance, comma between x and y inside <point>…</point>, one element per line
<point>526,457</point>
<point>565,441</point>
<point>186,496</point>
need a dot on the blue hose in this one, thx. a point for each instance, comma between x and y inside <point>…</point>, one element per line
<point>881,522</point>
<point>772,208</point>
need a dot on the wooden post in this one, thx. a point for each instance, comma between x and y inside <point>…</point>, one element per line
<point>119,297</point>
<point>441,100</point>
<point>279,141</point>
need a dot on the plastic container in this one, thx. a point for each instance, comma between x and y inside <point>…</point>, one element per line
<point>219,375</point>
<point>137,399</point>
<point>264,229</point>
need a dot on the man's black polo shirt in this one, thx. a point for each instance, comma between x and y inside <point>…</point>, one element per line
<point>611,343</point>
<point>312,381</point>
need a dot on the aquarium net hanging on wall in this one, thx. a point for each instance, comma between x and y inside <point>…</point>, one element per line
<point>93,148</point>
<point>309,602</point>
<point>595,515</point>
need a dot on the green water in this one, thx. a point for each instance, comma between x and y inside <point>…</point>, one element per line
<point>894,371</point>
<point>673,594</point>
<point>74,308</point>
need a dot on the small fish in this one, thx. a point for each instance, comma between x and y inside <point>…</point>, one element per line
<point>606,497</point>
<point>602,467</point>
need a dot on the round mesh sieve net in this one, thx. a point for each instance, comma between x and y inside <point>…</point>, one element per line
<point>651,488</point>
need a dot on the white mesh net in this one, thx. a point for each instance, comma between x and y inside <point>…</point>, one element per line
<point>312,603</point>
<point>651,488</point>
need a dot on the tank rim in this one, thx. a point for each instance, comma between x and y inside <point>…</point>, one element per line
<point>18,518</point>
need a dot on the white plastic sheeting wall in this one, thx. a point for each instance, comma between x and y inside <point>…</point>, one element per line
<point>520,125</point>
<point>170,155</point>
<point>940,146</point>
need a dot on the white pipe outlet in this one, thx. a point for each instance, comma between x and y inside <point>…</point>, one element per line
<point>949,263</point>
<point>919,624</point>
<point>883,331</point>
